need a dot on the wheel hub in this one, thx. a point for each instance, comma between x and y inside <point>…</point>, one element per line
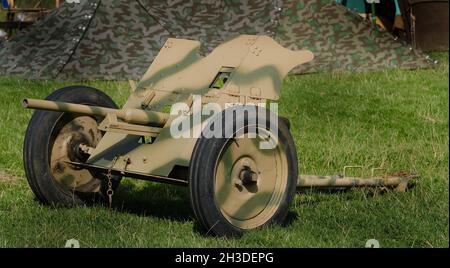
<point>248,177</point>
<point>249,182</point>
<point>245,175</point>
<point>81,130</point>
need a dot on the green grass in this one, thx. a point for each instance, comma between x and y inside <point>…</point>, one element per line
<point>395,119</point>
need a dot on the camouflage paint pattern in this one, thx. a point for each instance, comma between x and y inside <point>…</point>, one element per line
<point>212,22</point>
<point>120,43</point>
<point>42,50</point>
<point>118,39</point>
<point>341,40</point>
<point>299,29</point>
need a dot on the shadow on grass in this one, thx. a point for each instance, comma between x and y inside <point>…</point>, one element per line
<point>154,200</point>
<point>291,217</point>
<point>165,202</point>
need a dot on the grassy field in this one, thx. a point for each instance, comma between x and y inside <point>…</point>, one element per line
<point>396,119</point>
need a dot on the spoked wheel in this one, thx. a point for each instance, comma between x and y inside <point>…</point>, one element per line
<point>54,139</point>
<point>236,185</point>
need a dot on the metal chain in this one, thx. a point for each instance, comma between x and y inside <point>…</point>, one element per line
<point>110,191</point>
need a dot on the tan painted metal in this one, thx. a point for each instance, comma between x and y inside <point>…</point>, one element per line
<point>250,69</point>
<point>134,116</point>
<point>250,183</point>
<point>137,141</point>
<point>111,124</point>
<point>81,130</point>
<point>254,65</point>
<point>312,181</point>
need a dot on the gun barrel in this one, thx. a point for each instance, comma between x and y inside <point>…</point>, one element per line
<point>129,115</point>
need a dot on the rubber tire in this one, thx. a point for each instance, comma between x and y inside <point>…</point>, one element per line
<point>285,121</point>
<point>36,149</point>
<point>202,179</point>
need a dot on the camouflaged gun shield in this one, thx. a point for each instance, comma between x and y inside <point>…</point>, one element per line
<point>118,39</point>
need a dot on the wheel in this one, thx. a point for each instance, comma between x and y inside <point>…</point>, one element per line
<point>285,121</point>
<point>53,138</point>
<point>234,185</point>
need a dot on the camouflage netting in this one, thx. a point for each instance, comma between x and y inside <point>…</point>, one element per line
<point>118,39</point>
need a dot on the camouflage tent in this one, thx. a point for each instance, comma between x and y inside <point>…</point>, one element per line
<point>118,39</point>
